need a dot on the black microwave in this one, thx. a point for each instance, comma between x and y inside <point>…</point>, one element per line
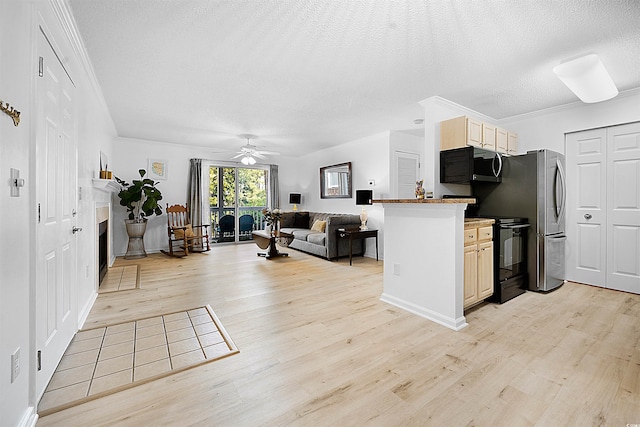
<point>470,164</point>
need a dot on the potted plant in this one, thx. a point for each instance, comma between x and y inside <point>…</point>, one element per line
<point>141,199</point>
<point>272,219</point>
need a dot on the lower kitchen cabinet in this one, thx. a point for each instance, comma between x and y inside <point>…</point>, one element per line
<point>478,263</point>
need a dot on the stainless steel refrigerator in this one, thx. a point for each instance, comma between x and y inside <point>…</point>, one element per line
<point>534,187</point>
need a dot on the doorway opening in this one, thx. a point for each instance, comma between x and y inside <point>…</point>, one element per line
<point>237,197</point>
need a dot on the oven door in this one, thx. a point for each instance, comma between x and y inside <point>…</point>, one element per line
<point>512,259</point>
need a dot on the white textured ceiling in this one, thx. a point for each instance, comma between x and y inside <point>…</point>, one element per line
<point>304,75</point>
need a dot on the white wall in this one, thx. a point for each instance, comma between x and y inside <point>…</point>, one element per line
<point>130,155</point>
<point>15,212</point>
<point>19,27</point>
<point>369,157</point>
<point>546,129</point>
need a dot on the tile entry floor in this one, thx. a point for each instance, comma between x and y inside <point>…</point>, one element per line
<point>113,357</point>
<point>120,279</point>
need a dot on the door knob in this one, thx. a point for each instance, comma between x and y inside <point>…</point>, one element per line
<point>76,229</point>
<point>587,216</point>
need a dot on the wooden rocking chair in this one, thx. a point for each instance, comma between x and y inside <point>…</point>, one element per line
<point>190,238</point>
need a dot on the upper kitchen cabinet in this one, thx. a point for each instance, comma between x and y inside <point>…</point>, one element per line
<point>464,131</point>
<point>501,141</point>
<point>488,137</point>
<point>512,143</point>
<point>460,132</point>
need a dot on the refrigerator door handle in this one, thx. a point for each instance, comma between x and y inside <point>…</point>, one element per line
<point>493,163</point>
<point>563,198</point>
<point>558,237</point>
<point>513,227</point>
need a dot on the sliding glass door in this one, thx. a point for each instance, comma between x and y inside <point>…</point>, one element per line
<point>237,197</point>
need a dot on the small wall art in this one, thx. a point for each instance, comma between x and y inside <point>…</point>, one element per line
<point>157,169</point>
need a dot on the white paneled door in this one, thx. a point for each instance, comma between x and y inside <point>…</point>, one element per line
<point>623,202</point>
<point>603,215</point>
<point>56,305</point>
<point>586,207</point>
<point>407,172</point>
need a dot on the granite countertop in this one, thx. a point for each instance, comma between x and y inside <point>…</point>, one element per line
<point>478,222</point>
<point>420,201</point>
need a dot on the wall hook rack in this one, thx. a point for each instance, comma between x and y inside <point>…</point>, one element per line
<point>11,112</point>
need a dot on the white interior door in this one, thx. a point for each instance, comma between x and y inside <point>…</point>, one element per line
<point>407,173</point>
<point>586,207</point>
<point>56,305</point>
<point>623,213</point>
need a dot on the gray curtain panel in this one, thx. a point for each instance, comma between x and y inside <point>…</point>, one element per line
<point>195,192</point>
<point>274,187</point>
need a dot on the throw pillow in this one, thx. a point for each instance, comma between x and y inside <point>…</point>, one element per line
<point>319,226</point>
<point>301,220</point>
<point>179,233</point>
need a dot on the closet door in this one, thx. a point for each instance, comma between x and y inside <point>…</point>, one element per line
<point>623,208</point>
<point>586,207</point>
<point>603,207</point>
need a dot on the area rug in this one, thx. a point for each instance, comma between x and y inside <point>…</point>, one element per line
<point>117,279</point>
<point>113,358</point>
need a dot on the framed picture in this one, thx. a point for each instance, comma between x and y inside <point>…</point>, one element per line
<point>157,169</point>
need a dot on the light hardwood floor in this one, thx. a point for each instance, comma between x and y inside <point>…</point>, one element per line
<point>317,347</point>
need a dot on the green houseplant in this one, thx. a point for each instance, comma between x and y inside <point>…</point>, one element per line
<point>141,198</point>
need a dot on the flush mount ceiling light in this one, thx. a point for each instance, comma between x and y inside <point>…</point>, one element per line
<point>587,78</point>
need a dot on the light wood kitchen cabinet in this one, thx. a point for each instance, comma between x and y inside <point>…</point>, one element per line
<point>460,132</point>
<point>488,137</point>
<point>478,263</point>
<point>512,143</point>
<point>501,141</point>
<point>464,131</point>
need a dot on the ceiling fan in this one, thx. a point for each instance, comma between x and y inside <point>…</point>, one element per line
<point>249,152</point>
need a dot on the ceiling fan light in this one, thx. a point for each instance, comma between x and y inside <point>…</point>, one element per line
<point>252,161</point>
<point>587,78</point>
<point>245,160</point>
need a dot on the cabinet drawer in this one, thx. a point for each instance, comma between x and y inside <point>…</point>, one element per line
<point>470,235</point>
<point>485,233</point>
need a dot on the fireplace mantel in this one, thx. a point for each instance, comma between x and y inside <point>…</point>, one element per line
<point>108,185</point>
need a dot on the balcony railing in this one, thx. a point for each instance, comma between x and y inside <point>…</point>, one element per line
<point>224,223</point>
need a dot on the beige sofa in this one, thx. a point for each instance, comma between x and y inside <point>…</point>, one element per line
<point>321,243</point>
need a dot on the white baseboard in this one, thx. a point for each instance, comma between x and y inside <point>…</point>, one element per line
<point>84,313</point>
<point>30,418</point>
<point>449,322</point>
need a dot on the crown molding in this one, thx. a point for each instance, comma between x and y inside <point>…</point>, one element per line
<point>465,111</point>
<point>564,107</point>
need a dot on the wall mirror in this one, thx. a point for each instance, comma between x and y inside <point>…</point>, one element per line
<point>335,181</point>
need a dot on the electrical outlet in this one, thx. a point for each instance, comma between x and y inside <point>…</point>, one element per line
<point>396,269</point>
<point>15,365</point>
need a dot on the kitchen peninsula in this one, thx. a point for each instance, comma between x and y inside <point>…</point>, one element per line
<point>423,257</point>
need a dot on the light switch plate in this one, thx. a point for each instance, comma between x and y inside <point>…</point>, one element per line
<point>16,182</point>
<point>15,365</point>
